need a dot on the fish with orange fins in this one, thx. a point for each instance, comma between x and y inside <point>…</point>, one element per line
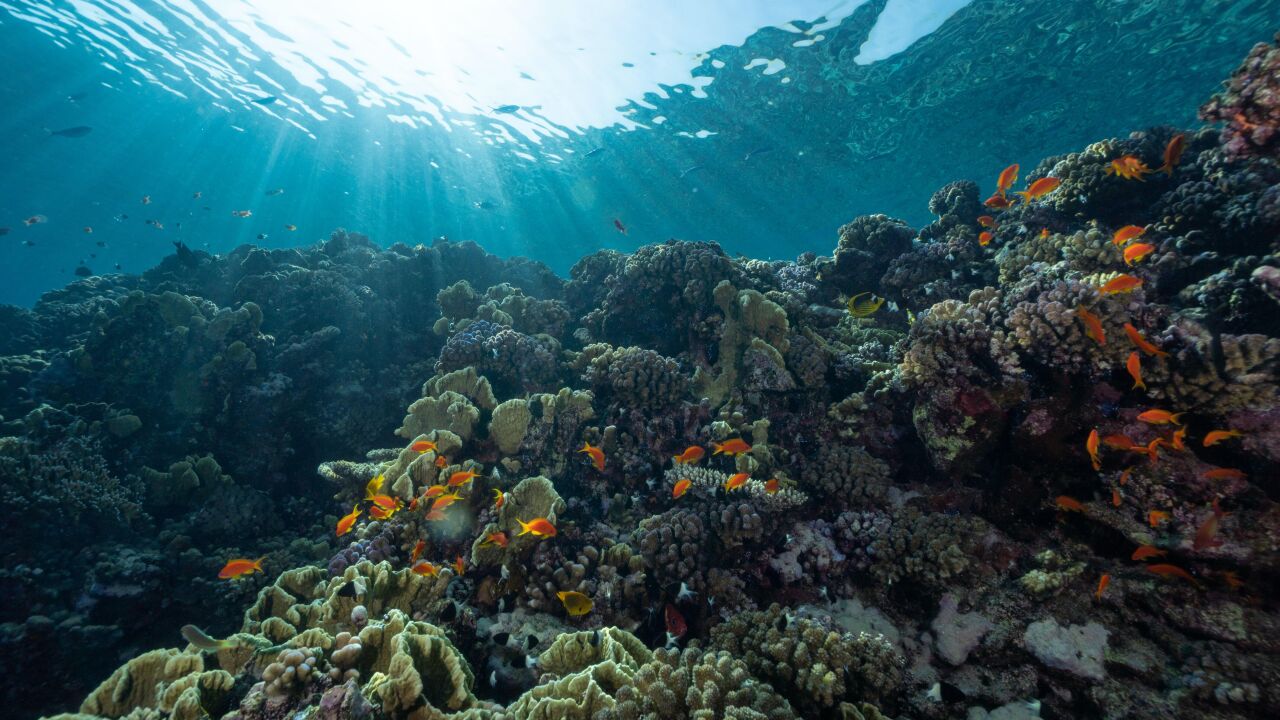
<point>997,202</point>
<point>462,477</point>
<point>1142,343</point>
<point>1103,582</point>
<point>435,515</point>
<point>1156,416</point>
<point>445,501</point>
<point>985,237</point>
<point>1147,551</point>
<point>1127,233</point>
<point>426,569</point>
<point>1232,580</point>
<point>1091,445</point>
<point>1152,449</point>
<point>987,221</point>
<point>421,446</point>
<point>495,538</point>
<point>348,521</point>
<point>1092,325</point>
<point>499,499</point>
<point>441,462</point>
<point>1134,366</point>
<point>1007,178</point>
<point>1044,232</point>
<point>690,456</point>
<point>1165,570</point>
<point>435,491</point>
<point>1116,497</point>
<point>1120,284</point>
<point>1066,502</point>
<point>1207,533</point>
<point>240,567</point>
<point>1128,167</point>
<point>1216,436</point>
<point>1173,153</point>
<point>1118,442</point>
<point>1156,518</point>
<point>379,513</point>
<point>1137,251</point>
<point>1223,474</point>
<point>386,502</point>
<point>595,453</point>
<point>1039,189</point>
<point>681,487</point>
<point>771,486</point>
<point>459,565</point>
<point>736,481</point>
<point>1124,476</point>
<point>736,446</point>
<point>416,553</point>
<point>538,527</point>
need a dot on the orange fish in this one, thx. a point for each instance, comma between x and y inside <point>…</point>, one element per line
<point>497,538</point>
<point>1092,325</point>
<point>682,487</point>
<point>1156,416</point>
<point>416,553</point>
<point>441,461</point>
<point>1137,251</point>
<point>1156,517</point>
<point>1007,178</point>
<point>736,446</point>
<point>1124,476</point>
<point>426,569</point>
<point>1153,449</point>
<point>1120,284</point>
<point>985,237</point>
<point>1134,366</point>
<point>459,566</point>
<point>540,527</point>
<point>421,446</point>
<point>1127,233</point>
<point>1091,445</point>
<point>462,477</point>
<point>378,513</point>
<point>1115,497</point>
<point>1118,442</point>
<point>690,456</point>
<point>1044,232</point>
<point>1172,571</point>
<point>348,521</point>
<point>1216,436</point>
<point>1147,551</point>
<point>1173,153</point>
<point>1066,502</point>
<point>435,515</point>
<point>434,491</point>
<point>771,486</point>
<point>445,501</point>
<point>997,201</point>
<point>1103,582</point>
<point>1206,534</point>
<point>1223,474</point>
<point>499,499</point>
<point>596,454</point>
<point>986,221</point>
<point>1128,167</point>
<point>1232,580</point>
<point>386,502</point>
<point>736,481</point>
<point>240,567</point>
<point>1176,440</point>
<point>1143,344</point>
<point>1039,188</point>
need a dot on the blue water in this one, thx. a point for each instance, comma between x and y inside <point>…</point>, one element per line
<point>763,126</point>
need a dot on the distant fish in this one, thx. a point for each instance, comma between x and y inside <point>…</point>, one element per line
<point>242,213</point>
<point>757,151</point>
<point>88,230</point>
<point>4,231</point>
<point>29,243</point>
<point>1173,153</point>
<point>628,65</point>
<point>35,220</point>
<point>507,109</point>
<point>618,224</point>
<point>196,195</point>
<point>71,132</point>
<point>262,236</point>
<point>121,217</point>
<point>695,168</point>
<point>146,199</point>
<point>291,227</point>
<point>264,100</point>
<point>526,76</point>
<point>276,191</point>
<point>482,205</point>
<point>118,266</point>
<point>593,152</point>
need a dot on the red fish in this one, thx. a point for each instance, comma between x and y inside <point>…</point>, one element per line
<point>736,481</point>
<point>1039,188</point>
<point>434,491</point>
<point>1044,232</point>
<point>1116,498</point>
<point>1091,445</point>
<point>985,237</point>
<point>676,626</point>
<point>1156,416</point>
<point>378,513</point>
<point>736,446</point>
<point>997,201</point>
<point>1223,474</point>
<point>1157,517</point>
<point>1127,233</point>
<point>595,453</point>
<point>421,446</point>
<point>1216,436</point>
<point>690,456</point>
<point>618,224</point>
<point>1134,366</point>
<point>539,527</point>
<point>348,521</point>
<point>1173,153</point>
<point>426,569</point>
<point>441,461</point>
<point>1206,534</point>
<point>1124,476</point>
<point>1066,502</point>
<point>1147,551</point>
<point>462,477</point>
<point>1176,440</point>
<point>497,538</point>
<point>771,486</point>
<point>1007,178</point>
<point>1118,442</point>
<point>1173,571</point>
<point>499,499</point>
<point>1137,251</point>
<point>1092,325</point>
<point>1120,284</point>
<point>682,487</point>
<point>435,515</point>
<point>1128,167</point>
<point>240,567</point>
<point>416,553</point>
<point>1103,582</point>
<point>459,565</point>
<point>386,502</point>
<point>986,221</point>
<point>1143,344</point>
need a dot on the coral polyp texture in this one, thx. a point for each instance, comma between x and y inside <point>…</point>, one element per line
<point>1030,472</point>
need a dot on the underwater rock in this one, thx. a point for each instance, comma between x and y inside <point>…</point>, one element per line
<point>1075,649</point>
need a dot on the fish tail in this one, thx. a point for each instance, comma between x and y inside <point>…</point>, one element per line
<point>1138,384</point>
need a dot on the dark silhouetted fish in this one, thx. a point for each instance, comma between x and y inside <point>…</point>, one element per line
<point>277,191</point>
<point>483,205</point>
<point>4,231</point>
<point>71,132</point>
<point>264,100</point>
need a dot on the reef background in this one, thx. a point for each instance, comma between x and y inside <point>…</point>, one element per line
<point>156,425</point>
